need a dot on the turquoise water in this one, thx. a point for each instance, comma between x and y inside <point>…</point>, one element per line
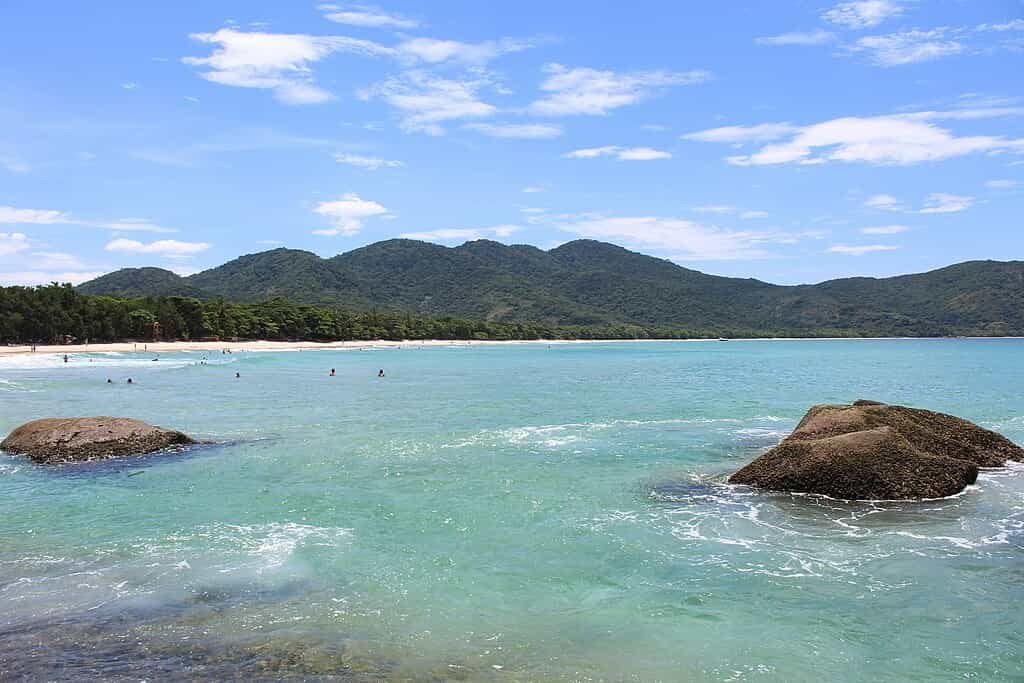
<point>504,513</point>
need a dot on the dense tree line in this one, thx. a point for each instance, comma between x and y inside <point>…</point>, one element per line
<point>57,313</point>
<point>54,313</point>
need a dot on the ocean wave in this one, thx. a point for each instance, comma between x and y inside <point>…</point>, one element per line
<point>557,435</point>
<point>110,359</point>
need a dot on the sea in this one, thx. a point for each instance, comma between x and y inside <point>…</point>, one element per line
<point>530,512</point>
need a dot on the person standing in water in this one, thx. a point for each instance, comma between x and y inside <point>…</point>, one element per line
<point>381,373</point>
<point>65,358</point>
<point>332,372</point>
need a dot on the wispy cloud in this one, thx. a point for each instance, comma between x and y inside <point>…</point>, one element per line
<point>683,240</point>
<point>13,242</point>
<point>1002,184</point>
<point>940,202</point>
<point>168,248</point>
<point>591,91</point>
<point>819,37</point>
<point>436,51</point>
<point>883,202</point>
<point>366,16</point>
<point>425,102</point>
<point>620,153</point>
<point>462,234</point>
<point>885,229</point>
<point>11,215</point>
<point>898,139</point>
<point>523,131</point>
<point>369,163</point>
<point>347,214</point>
<point>859,249</point>
<point>861,14</point>
<point>906,47</point>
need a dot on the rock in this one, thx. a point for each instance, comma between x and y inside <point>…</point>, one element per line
<point>874,451</point>
<point>77,439</point>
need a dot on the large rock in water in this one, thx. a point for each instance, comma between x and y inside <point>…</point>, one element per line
<point>874,451</point>
<point>76,439</point>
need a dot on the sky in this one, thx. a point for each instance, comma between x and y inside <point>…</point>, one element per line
<point>788,141</point>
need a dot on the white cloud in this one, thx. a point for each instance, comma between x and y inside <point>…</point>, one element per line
<point>884,202</point>
<point>859,249</point>
<point>347,214</point>
<point>14,216</point>
<point>591,91</point>
<point>365,16</point>
<point>434,51</point>
<point>462,234</point>
<point>55,260</point>
<point>763,132</point>
<point>369,163</point>
<point>716,208</point>
<point>274,61</point>
<point>35,277</point>
<point>12,243</point>
<point>684,240</point>
<point>729,210</point>
<point>643,154</point>
<point>534,189</point>
<point>1002,184</point>
<point>940,202</point>
<point>907,47</point>
<point>860,14</point>
<point>129,225</point>
<point>523,131</point>
<point>424,102</point>
<point>130,85</point>
<point>885,229</point>
<point>818,37</point>
<point>620,153</point>
<point>898,139</point>
<point>1012,25</point>
<point>169,248</point>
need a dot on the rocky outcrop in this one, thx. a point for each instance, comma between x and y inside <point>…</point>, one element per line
<point>77,439</point>
<point>874,451</point>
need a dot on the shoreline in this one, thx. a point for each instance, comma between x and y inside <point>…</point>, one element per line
<point>264,345</point>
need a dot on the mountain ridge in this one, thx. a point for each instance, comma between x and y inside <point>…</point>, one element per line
<point>588,283</point>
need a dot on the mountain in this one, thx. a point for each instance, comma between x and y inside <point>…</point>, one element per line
<point>586,282</point>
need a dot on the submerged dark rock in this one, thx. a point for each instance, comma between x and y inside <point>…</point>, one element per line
<point>875,451</point>
<point>78,439</point>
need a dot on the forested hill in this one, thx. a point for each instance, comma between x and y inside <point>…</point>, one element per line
<point>592,283</point>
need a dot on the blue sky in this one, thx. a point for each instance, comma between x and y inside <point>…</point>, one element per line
<point>788,141</point>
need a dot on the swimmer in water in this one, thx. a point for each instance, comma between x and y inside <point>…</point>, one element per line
<point>129,380</point>
<point>109,381</point>
<point>238,375</point>
<point>381,373</point>
<point>332,372</point>
<point>65,358</point>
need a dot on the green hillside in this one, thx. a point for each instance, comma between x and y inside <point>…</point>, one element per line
<point>589,283</point>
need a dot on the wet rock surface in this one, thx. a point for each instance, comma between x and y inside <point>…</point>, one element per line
<point>874,451</point>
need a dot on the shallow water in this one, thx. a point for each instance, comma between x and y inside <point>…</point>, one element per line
<point>504,513</point>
